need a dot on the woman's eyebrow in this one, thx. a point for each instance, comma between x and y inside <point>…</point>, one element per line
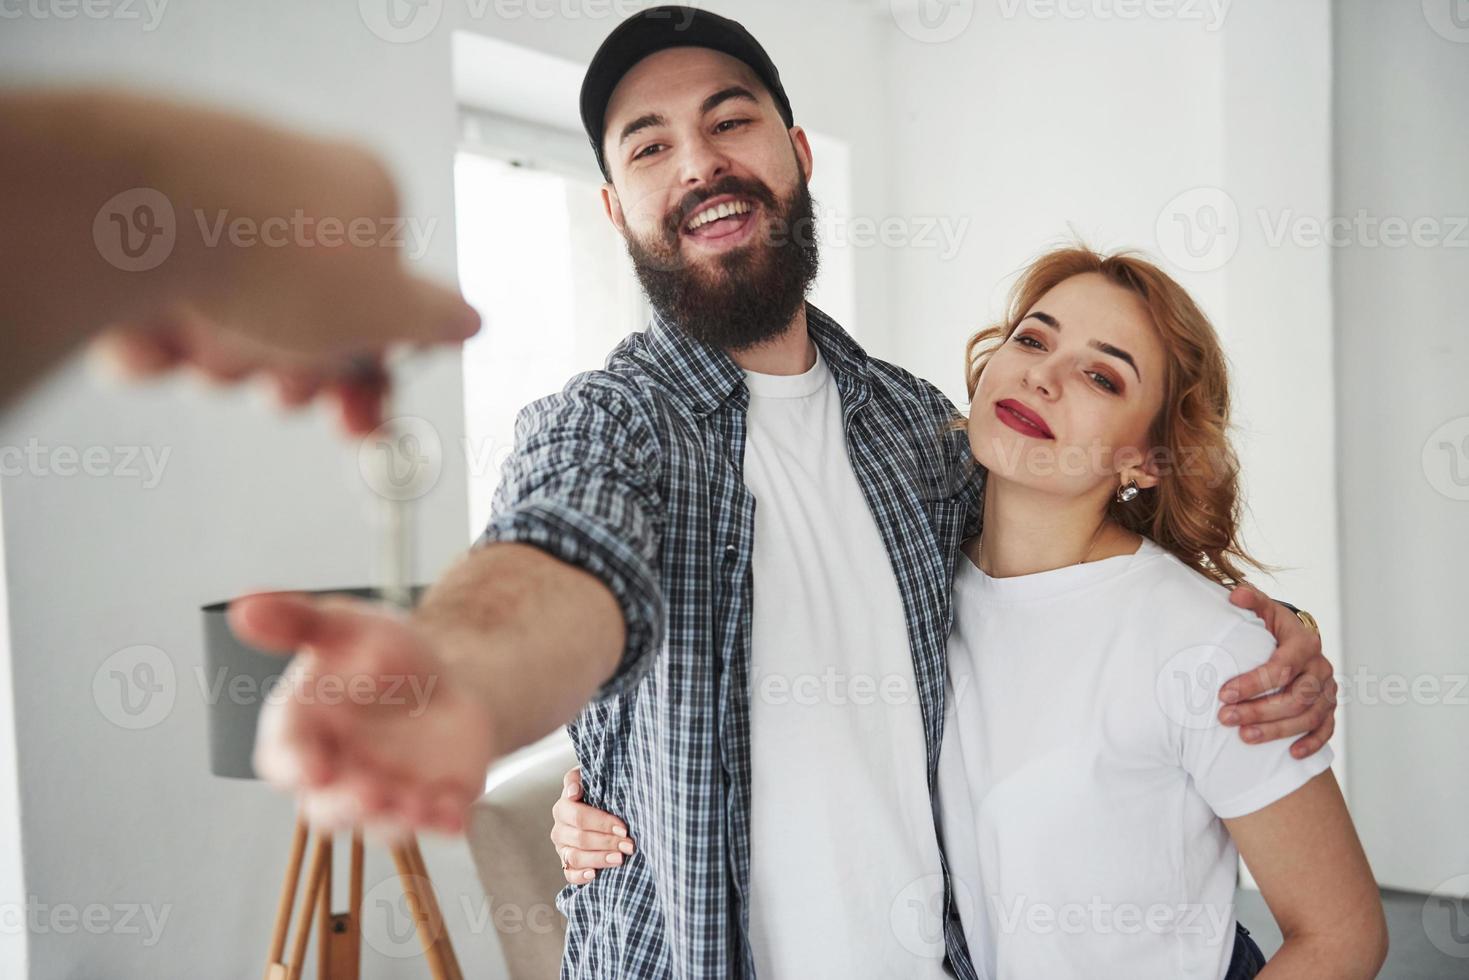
<point>1105,348</point>
<point>1119,353</point>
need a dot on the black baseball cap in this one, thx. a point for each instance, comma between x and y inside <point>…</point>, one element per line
<point>653,30</point>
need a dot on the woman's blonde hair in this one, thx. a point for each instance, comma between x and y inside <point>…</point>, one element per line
<point>1194,511</point>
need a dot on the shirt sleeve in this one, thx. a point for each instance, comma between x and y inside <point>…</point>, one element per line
<point>963,478</point>
<point>582,485</point>
<point>1233,776</point>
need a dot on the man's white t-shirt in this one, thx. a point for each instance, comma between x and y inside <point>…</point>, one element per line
<point>1083,772</point>
<point>844,861</point>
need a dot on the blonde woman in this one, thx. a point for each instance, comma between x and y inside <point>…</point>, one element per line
<point>1091,805</point>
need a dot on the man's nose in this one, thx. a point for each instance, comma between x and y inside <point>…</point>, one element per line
<point>701,162</point>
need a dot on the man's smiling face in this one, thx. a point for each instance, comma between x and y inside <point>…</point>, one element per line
<point>709,190</point>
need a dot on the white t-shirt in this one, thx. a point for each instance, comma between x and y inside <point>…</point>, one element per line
<point>842,835</point>
<point>1083,772</point>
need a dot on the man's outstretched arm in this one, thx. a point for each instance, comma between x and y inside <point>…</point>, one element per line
<point>559,604</point>
<point>511,612</point>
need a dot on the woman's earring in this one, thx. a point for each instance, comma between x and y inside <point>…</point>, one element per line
<point>1127,492</point>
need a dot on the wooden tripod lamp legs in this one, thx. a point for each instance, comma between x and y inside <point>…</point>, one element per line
<point>339,955</point>
<point>275,967</point>
<point>425,908</point>
<point>340,951</point>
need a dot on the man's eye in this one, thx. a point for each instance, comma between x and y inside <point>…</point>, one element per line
<point>644,151</point>
<point>729,122</point>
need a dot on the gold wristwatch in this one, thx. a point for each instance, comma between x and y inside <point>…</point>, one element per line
<point>1309,621</point>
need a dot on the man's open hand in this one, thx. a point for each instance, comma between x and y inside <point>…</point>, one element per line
<point>376,726</point>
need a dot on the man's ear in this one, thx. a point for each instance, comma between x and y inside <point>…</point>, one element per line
<point>612,204</point>
<point>802,146</point>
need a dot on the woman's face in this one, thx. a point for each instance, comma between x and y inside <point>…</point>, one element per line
<point>1066,403</point>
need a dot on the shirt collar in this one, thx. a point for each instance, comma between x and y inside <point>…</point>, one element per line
<point>705,376</point>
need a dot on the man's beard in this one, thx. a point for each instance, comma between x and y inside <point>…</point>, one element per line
<point>745,296</point>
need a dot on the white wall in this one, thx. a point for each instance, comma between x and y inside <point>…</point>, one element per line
<point>1402,365</point>
<point>13,936</point>
<point>1276,317</point>
<point>1031,129</point>
<point>122,818</point>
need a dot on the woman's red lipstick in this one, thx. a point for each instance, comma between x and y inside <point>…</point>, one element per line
<point>1022,419</point>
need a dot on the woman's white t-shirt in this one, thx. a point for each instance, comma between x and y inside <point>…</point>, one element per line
<point>1084,771</point>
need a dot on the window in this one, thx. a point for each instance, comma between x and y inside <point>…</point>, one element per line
<point>548,273</point>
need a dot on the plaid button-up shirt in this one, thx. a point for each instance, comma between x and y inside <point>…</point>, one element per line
<point>634,473</point>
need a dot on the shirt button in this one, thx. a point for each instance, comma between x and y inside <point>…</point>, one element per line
<point>730,552</point>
